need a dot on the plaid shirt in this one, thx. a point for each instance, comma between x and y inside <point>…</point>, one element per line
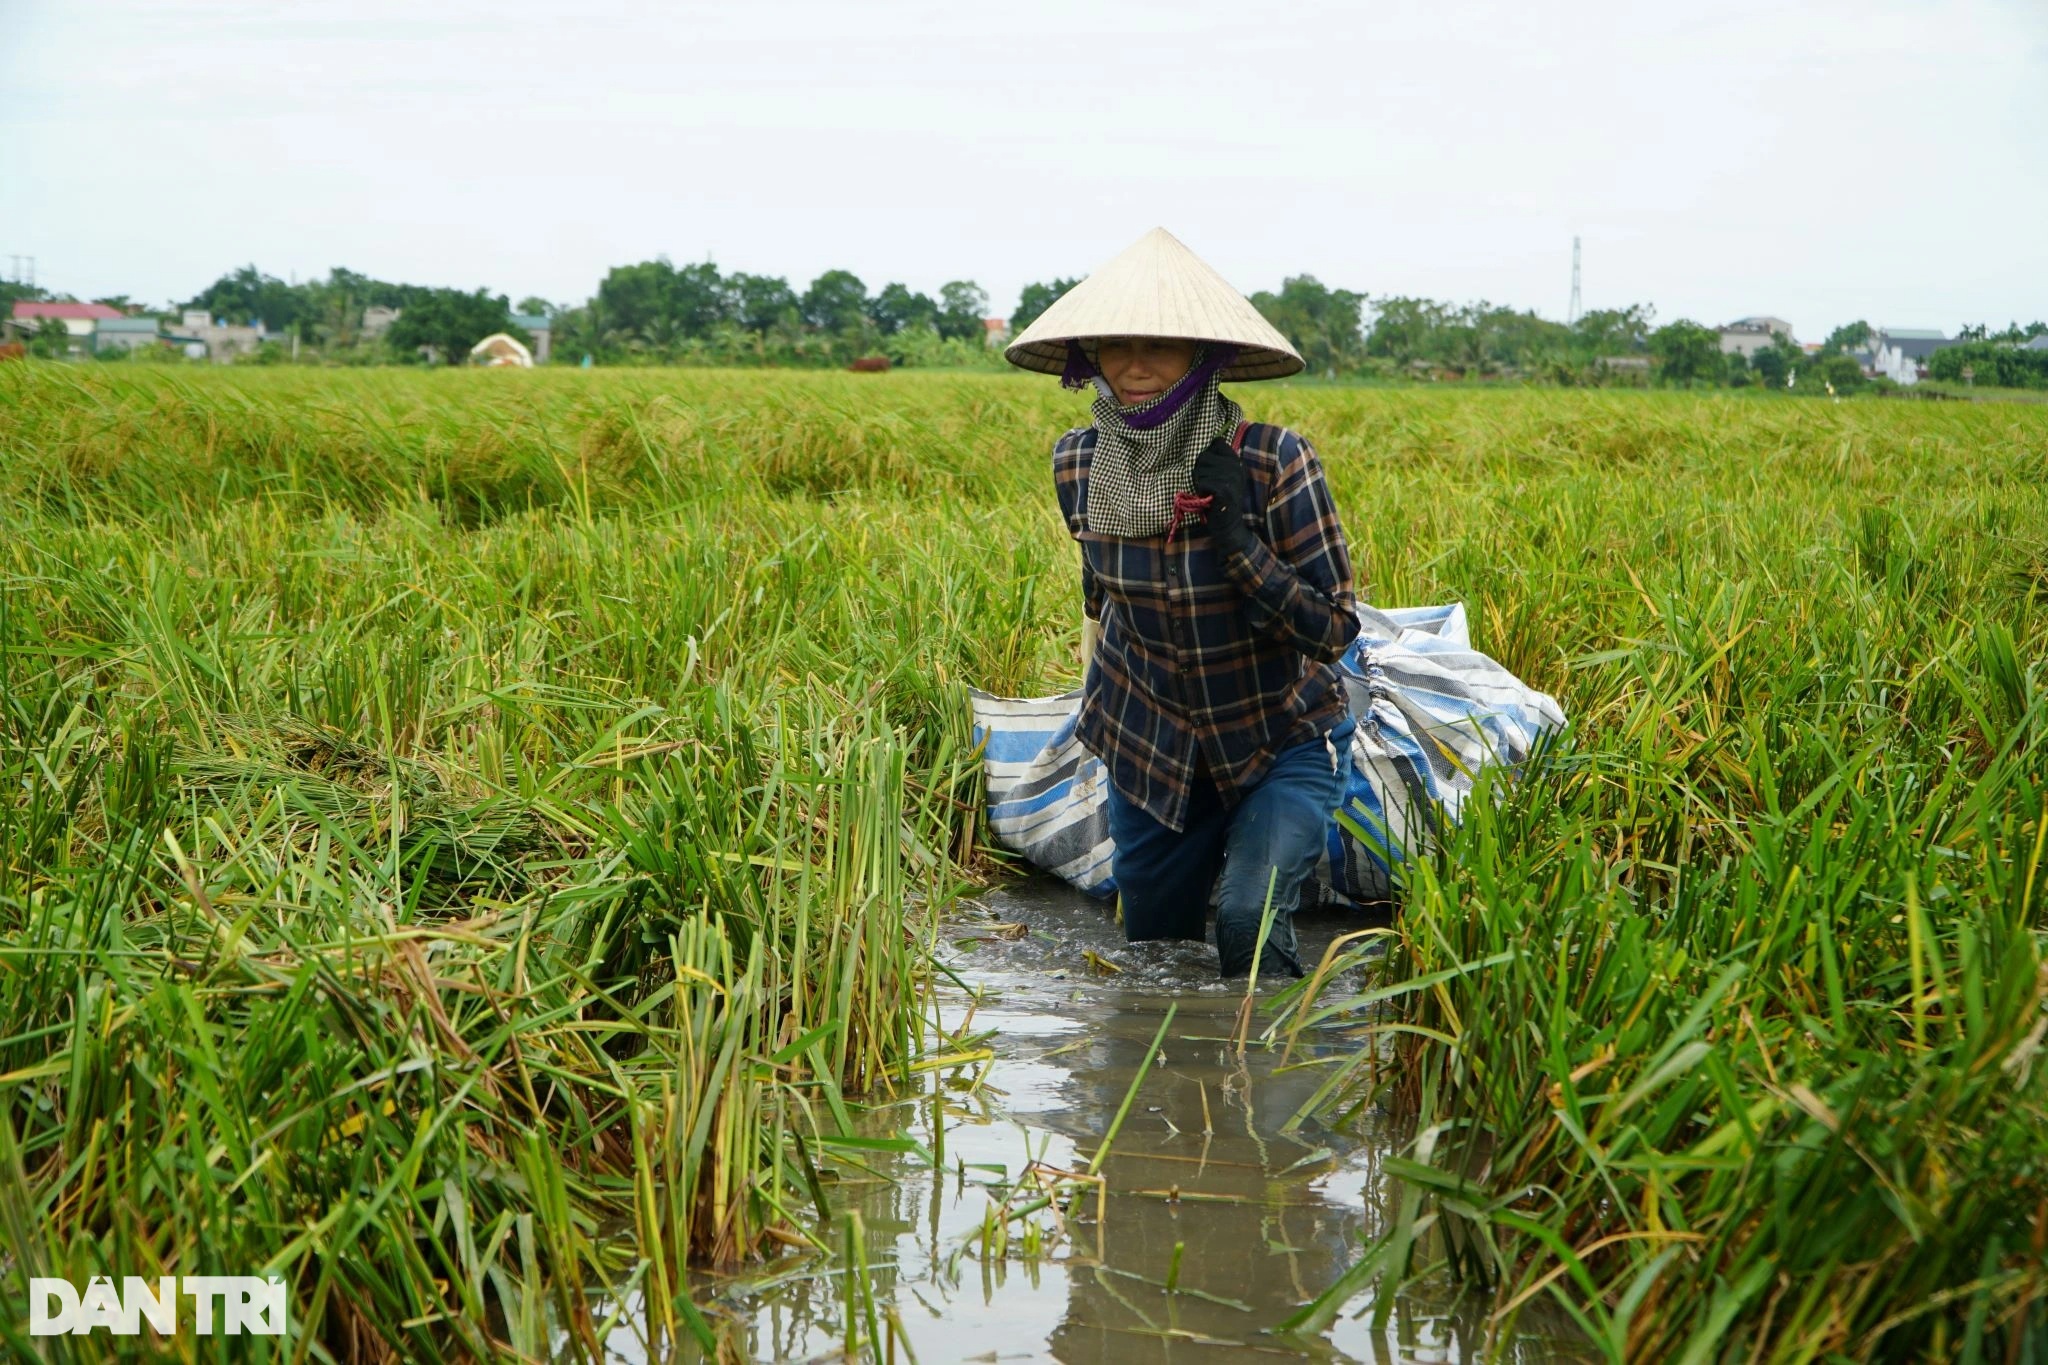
<point>1227,659</point>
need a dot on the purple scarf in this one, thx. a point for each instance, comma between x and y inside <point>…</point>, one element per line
<point>1144,456</point>
<point>1211,358</point>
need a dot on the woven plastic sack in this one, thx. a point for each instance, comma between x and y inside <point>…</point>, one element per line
<point>1432,713</point>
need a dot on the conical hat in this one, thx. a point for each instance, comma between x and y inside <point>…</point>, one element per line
<point>1156,288</point>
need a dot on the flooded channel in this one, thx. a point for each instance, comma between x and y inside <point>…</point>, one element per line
<point>1212,1184</point>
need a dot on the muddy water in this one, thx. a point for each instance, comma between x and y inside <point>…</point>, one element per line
<point>1267,1209</point>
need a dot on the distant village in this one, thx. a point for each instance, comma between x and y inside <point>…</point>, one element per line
<point>97,329</point>
<point>658,313</point>
<point>1900,354</point>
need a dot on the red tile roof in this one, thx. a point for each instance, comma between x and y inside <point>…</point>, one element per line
<point>24,310</point>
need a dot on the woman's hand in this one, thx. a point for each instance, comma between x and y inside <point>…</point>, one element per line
<point>1219,476</point>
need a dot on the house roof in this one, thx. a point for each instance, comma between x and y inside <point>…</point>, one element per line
<point>1916,343</point>
<point>24,309</point>
<point>2039,343</point>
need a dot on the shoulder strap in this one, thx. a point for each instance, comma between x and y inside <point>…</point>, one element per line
<point>1237,437</point>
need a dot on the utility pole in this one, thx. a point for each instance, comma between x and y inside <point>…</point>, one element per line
<point>1572,314</point>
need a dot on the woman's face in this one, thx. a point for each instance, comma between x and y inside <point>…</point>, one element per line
<point>1140,369</point>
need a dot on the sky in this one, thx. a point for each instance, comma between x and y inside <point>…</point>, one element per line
<point>1818,160</point>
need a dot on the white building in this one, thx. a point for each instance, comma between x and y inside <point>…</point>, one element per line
<point>1747,336</point>
<point>224,342</point>
<point>1900,353</point>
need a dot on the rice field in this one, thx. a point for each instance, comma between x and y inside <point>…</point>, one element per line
<point>472,842</point>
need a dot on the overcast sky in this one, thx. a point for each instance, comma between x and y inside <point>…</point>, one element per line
<point>1821,160</point>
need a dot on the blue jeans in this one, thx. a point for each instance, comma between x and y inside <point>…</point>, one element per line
<point>1275,833</point>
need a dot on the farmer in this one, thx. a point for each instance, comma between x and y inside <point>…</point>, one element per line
<point>1213,562</point>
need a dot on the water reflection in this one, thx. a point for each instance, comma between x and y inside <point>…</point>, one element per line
<point>1267,1207</point>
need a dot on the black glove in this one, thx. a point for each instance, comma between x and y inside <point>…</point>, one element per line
<point>1219,475</point>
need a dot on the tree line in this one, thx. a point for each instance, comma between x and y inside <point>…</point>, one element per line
<point>660,312</point>
<point>652,312</point>
<point>656,312</point>
<point>1343,333</point>
<point>1997,361</point>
